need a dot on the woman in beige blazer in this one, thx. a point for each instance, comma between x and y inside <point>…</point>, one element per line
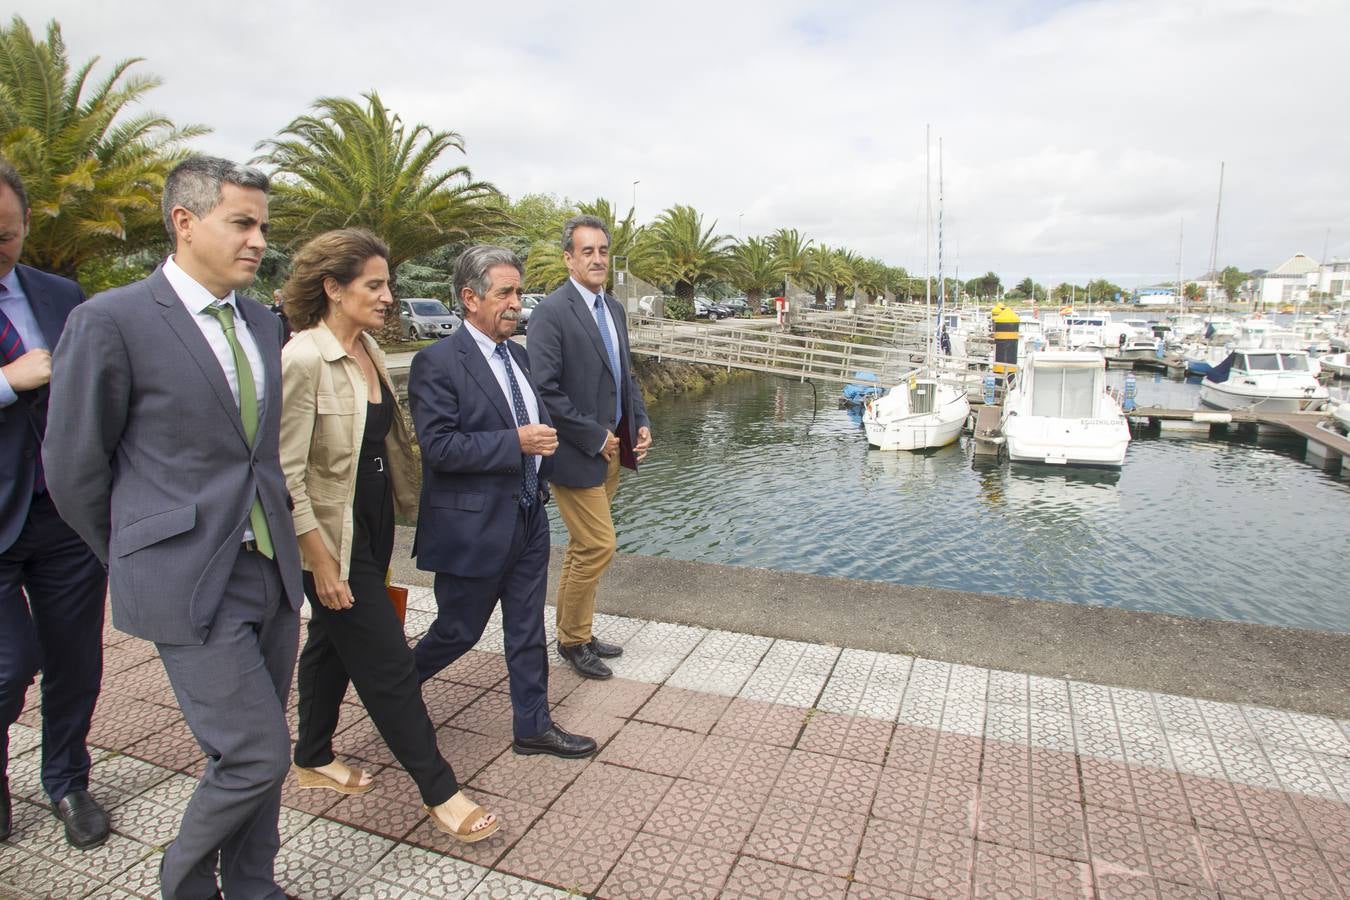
<point>347,453</point>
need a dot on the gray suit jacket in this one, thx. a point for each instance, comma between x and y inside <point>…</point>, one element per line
<point>572,374</point>
<point>146,458</point>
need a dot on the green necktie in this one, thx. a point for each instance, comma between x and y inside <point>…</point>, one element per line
<point>248,413</point>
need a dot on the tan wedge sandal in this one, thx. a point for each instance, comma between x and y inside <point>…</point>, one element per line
<point>465,830</point>
<point>313,778</point>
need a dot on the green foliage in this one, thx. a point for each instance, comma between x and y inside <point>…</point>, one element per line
<point>677,250</point>
<point>794,254</point>
<point>986,286</point>
<point>679,308</point>
<point>93,175</point>
<point>1193,292</point>
<point>1230,279</point>
<point>754,268</point>
<point>352,164</point>
<point>1102,291</point>
<point>103,272</point>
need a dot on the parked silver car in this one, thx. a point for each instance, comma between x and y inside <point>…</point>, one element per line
<point>426,317</point>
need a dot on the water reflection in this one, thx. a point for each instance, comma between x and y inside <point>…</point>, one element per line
<point>764,472</point>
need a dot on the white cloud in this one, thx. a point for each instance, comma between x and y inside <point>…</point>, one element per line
<point>1077,136</point>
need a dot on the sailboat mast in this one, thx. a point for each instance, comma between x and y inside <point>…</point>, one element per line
<point>942,283</point>
<point>928,235</point>
<point>1214,247</point>
<point>1181,292</point>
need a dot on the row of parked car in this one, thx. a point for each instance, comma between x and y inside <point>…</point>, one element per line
<point>426,318</point>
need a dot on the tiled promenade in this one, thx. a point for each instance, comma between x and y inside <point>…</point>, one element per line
<point>738,766</point>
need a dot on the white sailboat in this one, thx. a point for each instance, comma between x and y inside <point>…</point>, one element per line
<point>923,411</point>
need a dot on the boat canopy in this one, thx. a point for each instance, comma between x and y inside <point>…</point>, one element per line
<point>1066,392</point>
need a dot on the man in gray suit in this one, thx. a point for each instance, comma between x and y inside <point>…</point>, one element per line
<point>579,344</point>
<point>161,452</point>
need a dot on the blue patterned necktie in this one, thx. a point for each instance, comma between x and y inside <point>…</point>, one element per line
<point>11,348</point>
<point>529,477</point>
<point>603,323</point>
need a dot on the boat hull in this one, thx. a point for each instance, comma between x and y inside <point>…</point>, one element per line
<point>1224,396</point>
<point>924,433</point>
<point>1040,439</point>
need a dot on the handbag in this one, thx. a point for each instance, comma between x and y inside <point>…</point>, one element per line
<point>398,595</point>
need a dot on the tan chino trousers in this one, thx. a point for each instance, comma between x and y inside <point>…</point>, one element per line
<point>590,548</point>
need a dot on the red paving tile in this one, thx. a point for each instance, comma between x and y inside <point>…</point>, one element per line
<point>758,878</point>
<point>1012,872</point>
<point>855,737</point>
<point>616,696</point>
<point>655,866</point>
<point>569,851</point>
<point>749,766</point>
<point>761,722</point>
<point>698,795</point>
<point>701,814</point>
<point>681,708</point>
<point>613,795</point>
<point>652,748</point>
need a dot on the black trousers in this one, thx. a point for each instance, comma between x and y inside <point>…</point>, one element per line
<point>52,591</point>
<point>366,646</point>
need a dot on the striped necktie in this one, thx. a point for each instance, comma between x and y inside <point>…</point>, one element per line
<point>11,348</point>
<point>529,476</point>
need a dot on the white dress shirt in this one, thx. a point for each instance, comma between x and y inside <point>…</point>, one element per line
<point>15,304</point>
<point>197,298</point>
<point>488,347</point>
<point>589,296</point>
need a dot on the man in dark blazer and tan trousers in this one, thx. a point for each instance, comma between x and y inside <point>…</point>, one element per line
<point>51,585</point>
<point>162,453</point>
<point>579,344</point>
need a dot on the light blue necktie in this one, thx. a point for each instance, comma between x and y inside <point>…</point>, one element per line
<point>603,323</point>
<point>529,476</point>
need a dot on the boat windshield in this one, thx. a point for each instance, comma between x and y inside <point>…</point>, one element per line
<point>1294,362</point>
<point>1262,362</point>
<point>1064,393</point>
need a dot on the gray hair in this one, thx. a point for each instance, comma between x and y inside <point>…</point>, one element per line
<point>473,265</point>
<point>581,222</point>
<point>10,176</point>
<point>194,184</point>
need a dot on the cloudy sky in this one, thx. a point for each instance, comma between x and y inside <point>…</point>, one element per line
<point>1079,138</point>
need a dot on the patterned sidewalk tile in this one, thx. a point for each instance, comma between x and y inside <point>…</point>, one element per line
<point>735,765</point>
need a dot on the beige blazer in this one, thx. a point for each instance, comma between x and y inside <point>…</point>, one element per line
<point>323,418</point>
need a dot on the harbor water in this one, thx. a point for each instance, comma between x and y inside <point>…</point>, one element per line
<point>766,472</point>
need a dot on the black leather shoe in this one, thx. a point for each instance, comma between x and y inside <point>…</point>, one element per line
<point>584,660</point>
<point>555,742</point>
<point>605,651</point>
<point>86,823</point>
<point>6,811</point>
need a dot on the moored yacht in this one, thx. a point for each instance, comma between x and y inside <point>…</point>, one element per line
<point>1264,381</point>
<point>919,413</point>
<point>1058,411</point>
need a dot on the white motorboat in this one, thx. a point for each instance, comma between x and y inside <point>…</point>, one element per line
<point>919,413</point>
<point>1337,364</point>
<point>1058,411</point>
<point>1140,349</point>
<point>1264,381</point>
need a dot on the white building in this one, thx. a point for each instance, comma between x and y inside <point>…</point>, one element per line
<point>1291,282</point>
<point>1333,280</point>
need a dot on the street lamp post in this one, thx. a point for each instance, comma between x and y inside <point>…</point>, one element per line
<point>635,184</point>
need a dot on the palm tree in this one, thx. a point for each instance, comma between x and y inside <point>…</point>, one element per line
<point>677,250</point>
<point>872,278</point>
<point>818,276</point>
<point>545,268</point>
<point>352,164</point>
<point>93,176</point>
<point>843,272</point>
<point>793,251</point>
<point>755,269</point>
